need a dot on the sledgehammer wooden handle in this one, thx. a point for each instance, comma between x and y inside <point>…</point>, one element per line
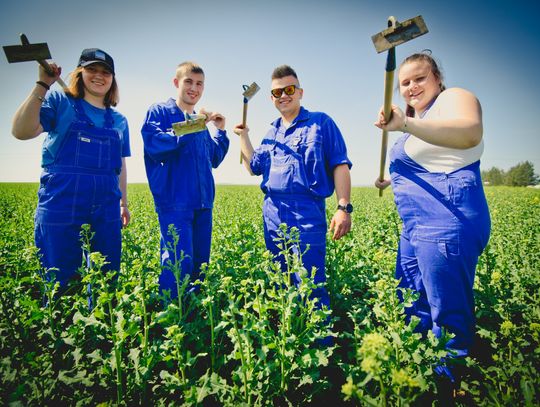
<point>43,63</point>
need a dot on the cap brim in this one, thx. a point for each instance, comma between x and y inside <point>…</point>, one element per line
<point>86,63</point>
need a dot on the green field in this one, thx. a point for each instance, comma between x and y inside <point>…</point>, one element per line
<point>242,341</point>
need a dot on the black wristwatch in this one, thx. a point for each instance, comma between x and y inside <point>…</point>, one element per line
<point>346,208</point>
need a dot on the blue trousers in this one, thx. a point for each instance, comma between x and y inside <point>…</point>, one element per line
<point>442,272</point>
<point>309,217</point>
<point>194,229</point>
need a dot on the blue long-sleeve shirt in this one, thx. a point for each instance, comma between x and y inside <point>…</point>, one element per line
<point>179,169</point>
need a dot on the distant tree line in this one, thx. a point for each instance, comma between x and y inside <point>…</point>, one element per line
<point>519,175</point>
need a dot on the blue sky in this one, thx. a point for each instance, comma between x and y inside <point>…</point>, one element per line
<point>488,47</point>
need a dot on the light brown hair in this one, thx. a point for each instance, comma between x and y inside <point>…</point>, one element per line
<point>76,88</point>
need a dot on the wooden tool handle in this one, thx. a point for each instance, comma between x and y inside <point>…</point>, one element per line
<point>388,83</point>
<point>244,120</point>
<point>244,114</point>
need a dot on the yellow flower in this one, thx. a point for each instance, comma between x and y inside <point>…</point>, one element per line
<point>348,388</point>
<point>507,327</point>
<point>370,365</point>
<point>401,378</point>
<point>373,342</point>
<point>496,277</point>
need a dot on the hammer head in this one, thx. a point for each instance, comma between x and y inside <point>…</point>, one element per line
<point>30,52</point>
<point>249,91</point>
<point>399,33</point>
<point>27,51</point>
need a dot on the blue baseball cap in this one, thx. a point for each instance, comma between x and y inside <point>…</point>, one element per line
<point>94,56</point>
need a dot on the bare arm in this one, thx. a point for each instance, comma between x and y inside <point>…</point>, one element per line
<point>245,146</point>
<point>124,211</point>
<point>26,124</point>
<point>456,122</point>
<point>341,221</point>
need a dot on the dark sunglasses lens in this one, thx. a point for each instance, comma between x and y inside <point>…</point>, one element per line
<point>289,90</point>
<point>277,92</point>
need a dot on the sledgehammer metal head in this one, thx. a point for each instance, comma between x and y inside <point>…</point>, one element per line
<point>249,91</point>
<point>399,33</point>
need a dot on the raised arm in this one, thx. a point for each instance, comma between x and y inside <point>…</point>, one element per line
<point>245,146</point>
<point>456,121</point>
<point>26,124</point>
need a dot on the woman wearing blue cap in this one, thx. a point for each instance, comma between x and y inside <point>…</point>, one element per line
<point>84,171</point>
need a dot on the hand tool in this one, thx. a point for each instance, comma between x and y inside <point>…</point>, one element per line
<point>396,34</point>
<point>193,124</point>
<point>31,52</point>
<point>249,92</point>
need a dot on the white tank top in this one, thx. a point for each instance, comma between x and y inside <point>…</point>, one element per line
<point>441,159</point>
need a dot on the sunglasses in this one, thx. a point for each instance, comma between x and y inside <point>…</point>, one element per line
<point>289,90</point>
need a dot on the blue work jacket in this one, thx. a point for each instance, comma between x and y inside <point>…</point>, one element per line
<point>179,169</point>
<point>299,160</point>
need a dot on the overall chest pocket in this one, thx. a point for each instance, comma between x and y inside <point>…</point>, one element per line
<point>98,151</point>
<point>310,146</point>
<point>287,173</point>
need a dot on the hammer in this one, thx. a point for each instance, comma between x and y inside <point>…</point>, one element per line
<point>31,52</point>
<point>249,92</point>
<point>395,34</point>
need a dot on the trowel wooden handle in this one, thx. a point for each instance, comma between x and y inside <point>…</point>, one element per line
<point>43,63</point>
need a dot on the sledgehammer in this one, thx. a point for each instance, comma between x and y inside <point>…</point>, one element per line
<point>395,34</point>
<point>31,52</point>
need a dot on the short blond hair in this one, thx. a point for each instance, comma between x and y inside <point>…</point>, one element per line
<point>188,66</point>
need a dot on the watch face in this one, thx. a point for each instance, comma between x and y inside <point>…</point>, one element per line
<point>348,208</point>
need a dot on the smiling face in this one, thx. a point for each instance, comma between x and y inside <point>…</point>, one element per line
<point>190,86</point>
<point>418,84</point>
<point>97,79</point>
<point>288,105</point>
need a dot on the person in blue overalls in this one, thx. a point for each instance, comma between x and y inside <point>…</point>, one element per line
<point>435,176</point>
<point>84,170</point>
<point>302,159</point>
<point>179,170</point>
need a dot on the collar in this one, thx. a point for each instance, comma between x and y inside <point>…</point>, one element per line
<point>303,115</point>
<point>174,109</point>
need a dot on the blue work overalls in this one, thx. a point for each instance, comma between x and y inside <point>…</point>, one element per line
<point>446,226</point>
<point>80,186</point>
<point>179,171</point>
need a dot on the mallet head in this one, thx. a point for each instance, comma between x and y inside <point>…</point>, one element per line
<point>399,33</point>
<point>249,91</point>
<point>28,52</point>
